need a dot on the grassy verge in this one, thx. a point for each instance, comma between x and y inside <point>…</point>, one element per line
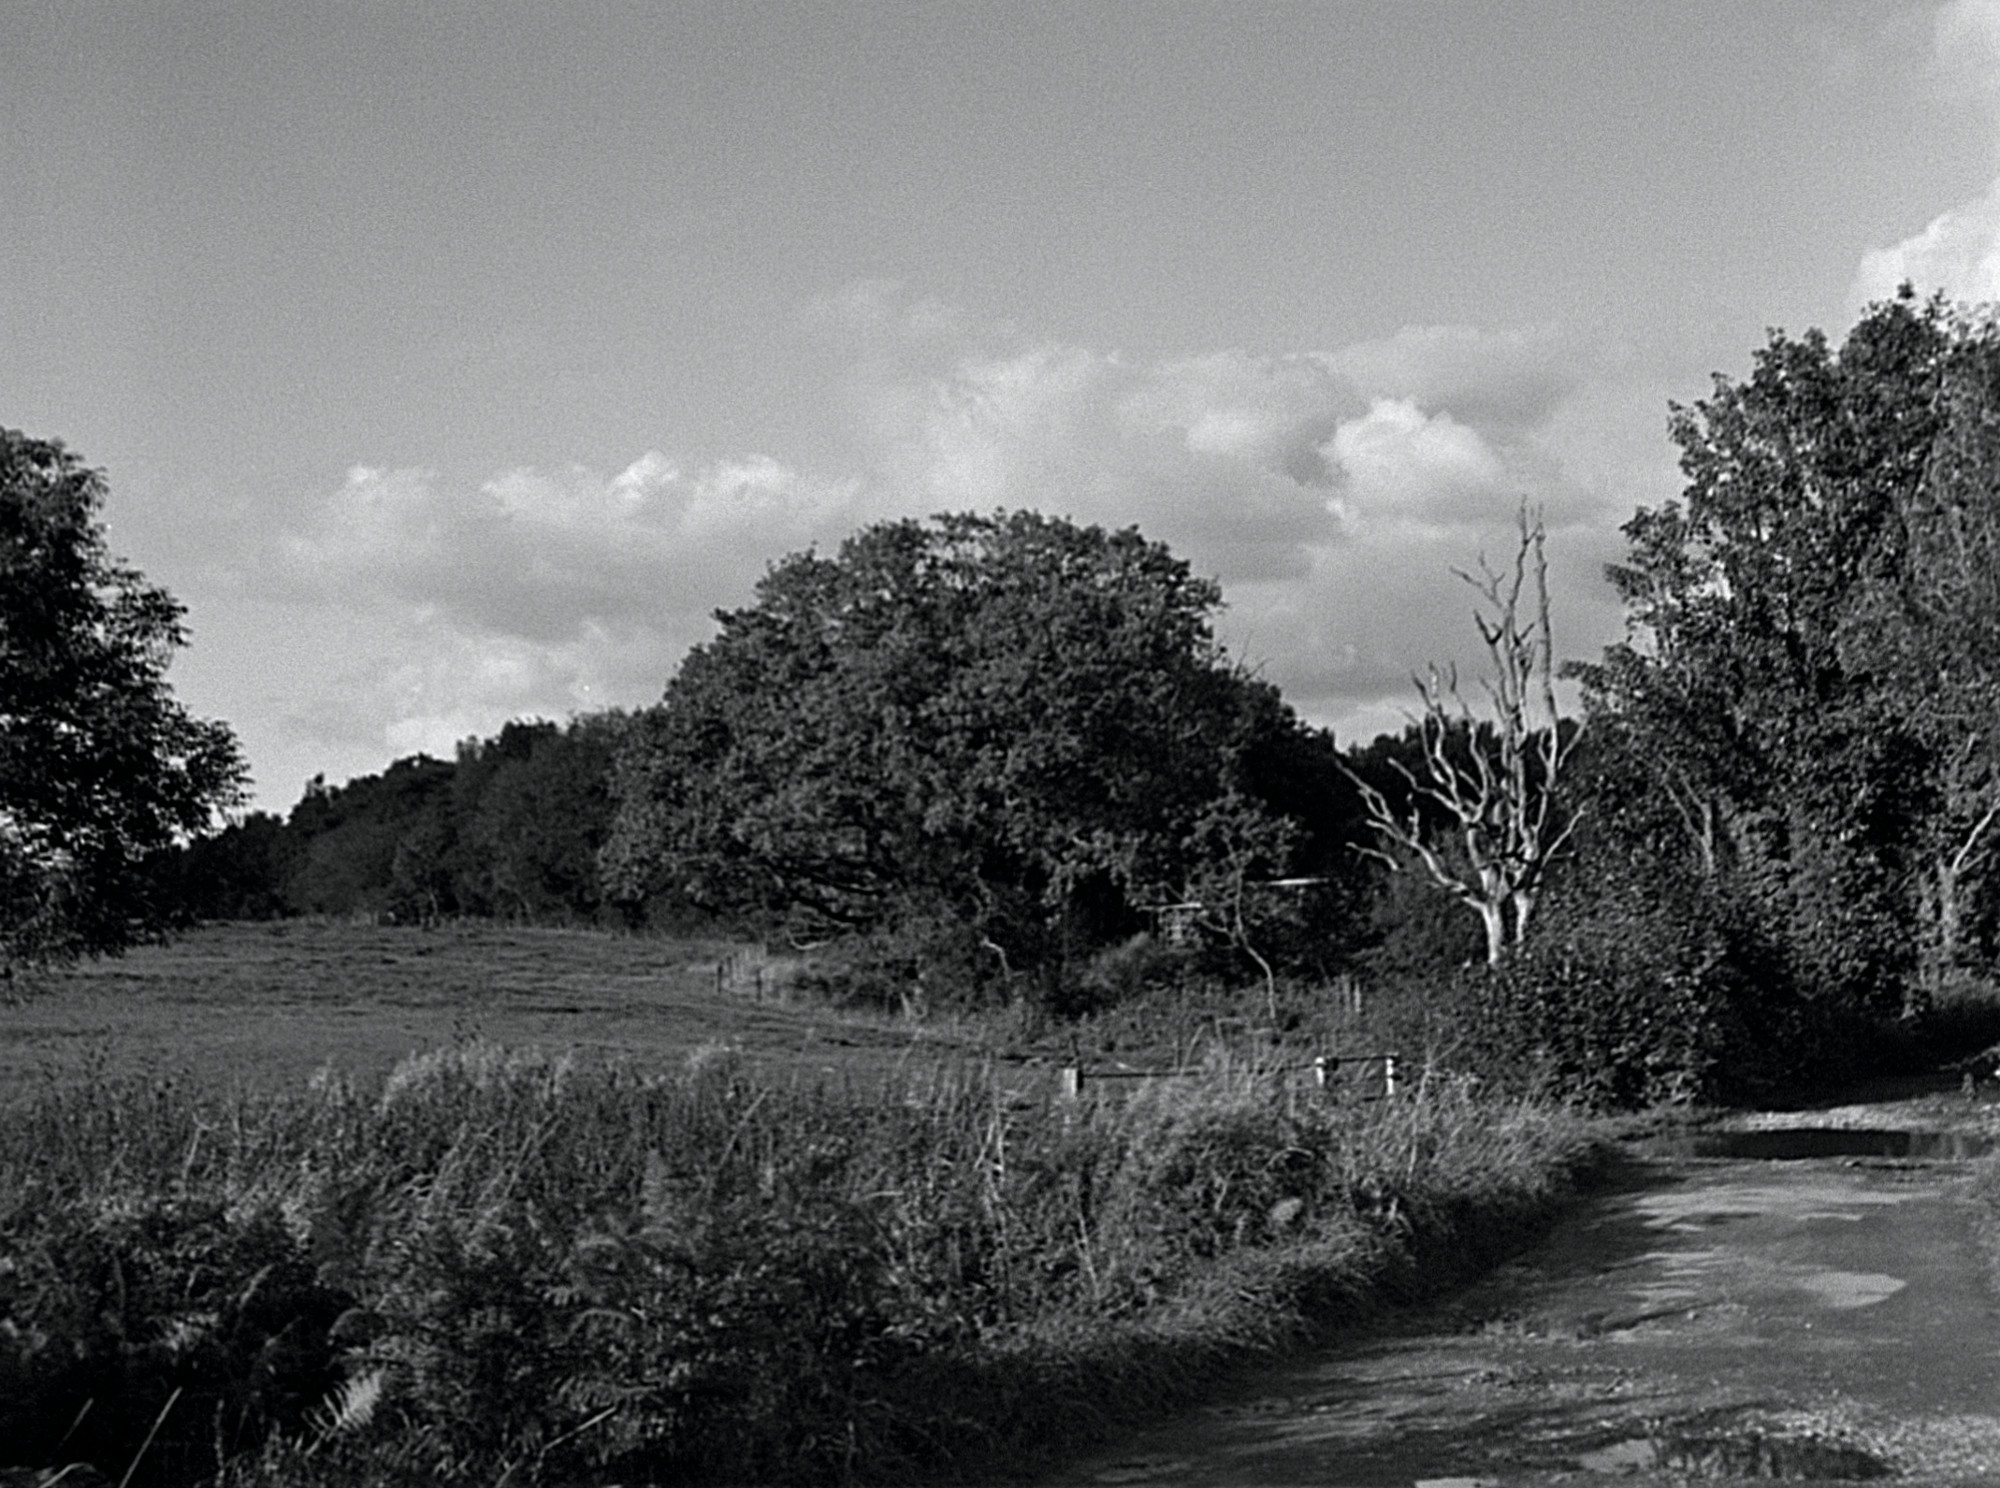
<point>523,1267</point>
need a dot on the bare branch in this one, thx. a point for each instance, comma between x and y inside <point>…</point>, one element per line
<point>1501,792</point>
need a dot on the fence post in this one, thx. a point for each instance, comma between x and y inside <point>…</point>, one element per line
<point>1319,1071</point>
<point>1072,1082</point>
<point>1388,1074</point>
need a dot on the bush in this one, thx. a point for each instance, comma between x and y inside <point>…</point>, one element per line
<point>915,967</point>
<point>1598,1027</point>
<point>164,1312</point>
<point>1618,1010</point>
<point>1123,973</point>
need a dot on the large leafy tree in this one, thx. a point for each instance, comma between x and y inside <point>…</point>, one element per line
<point>1009,722</point>
<point>1779,627</point>
<point>1928,633</point>
<point>101,768</point>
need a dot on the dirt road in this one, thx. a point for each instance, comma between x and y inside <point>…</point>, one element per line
<point>1717,1316</point>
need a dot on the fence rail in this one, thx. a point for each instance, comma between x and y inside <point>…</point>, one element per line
<point>1323,1068</point>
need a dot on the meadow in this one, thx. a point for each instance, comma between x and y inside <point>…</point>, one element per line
<point>268,1004</point>
<point>573,1209</point>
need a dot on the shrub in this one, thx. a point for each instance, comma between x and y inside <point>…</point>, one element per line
<point>1608,1012</point>
<point>914,967</point>
<point>1122,973</point>
<point>161,1312</point>
<point>1600,1027</point>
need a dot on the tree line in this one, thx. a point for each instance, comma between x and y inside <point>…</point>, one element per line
<point>991,754</point>
<point>509,829</point>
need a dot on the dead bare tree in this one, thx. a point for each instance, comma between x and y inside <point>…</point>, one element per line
<point>1498,789</point>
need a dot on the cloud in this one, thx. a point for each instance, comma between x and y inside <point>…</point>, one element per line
<point>1512,378</point>
<point>1957,251</point>
<point>542,555</point>
<point>1405,465</point>
<point>1333,492</point>
<point>533,592</point>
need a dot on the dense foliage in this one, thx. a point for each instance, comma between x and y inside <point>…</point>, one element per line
<point>1011,726</point>
<point>992,755</point>
<point>101,768</point>
<point>514,1267</point>
<point>1809,683</point>
<point>510,829</point>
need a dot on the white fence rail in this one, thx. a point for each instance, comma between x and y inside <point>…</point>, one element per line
<point>1325,1070</point>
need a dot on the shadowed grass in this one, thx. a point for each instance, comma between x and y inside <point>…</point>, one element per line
<point>515,1265</point>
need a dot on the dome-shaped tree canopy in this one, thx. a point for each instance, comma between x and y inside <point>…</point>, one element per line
<point>1012,721</point>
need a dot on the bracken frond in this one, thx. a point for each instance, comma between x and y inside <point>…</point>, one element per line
<point>350,1406</point>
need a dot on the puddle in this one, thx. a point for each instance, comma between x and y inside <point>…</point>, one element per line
<point>1849,1289</point>
<point>1740,1454</point>
<point>1796,1144</point>
<point>1735,1312</point>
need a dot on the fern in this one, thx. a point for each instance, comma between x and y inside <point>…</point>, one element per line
<point>349,1408</point>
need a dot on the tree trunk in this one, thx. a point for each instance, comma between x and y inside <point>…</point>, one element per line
<point>1942,918</point>
<point>1524,909</point>
<point>1494,918</point>
<point>1941,906</point>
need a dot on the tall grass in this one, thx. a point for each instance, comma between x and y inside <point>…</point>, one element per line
<point>525,1267</point>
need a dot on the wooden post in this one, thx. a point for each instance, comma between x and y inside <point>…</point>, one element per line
<point>1388,1074</point>
<point>1072,1082</point>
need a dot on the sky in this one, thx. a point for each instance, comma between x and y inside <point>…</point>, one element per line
<point>455,362</point>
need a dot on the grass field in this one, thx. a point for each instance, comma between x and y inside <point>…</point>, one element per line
<point>517,1232</point>
<point>266,1005</point>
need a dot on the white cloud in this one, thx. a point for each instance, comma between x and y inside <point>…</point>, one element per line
<point>1332,493</point>
<point>1272,412</point>
<point>539,554</point>
<point>1957,251</point>
<point>534,592</point>
<point>1404,465</point>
